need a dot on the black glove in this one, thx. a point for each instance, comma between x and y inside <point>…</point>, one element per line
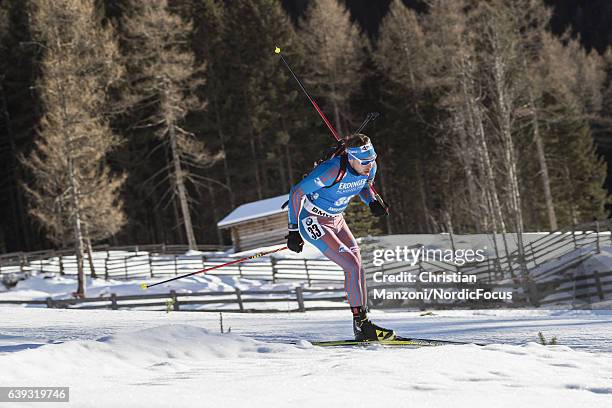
<point>378,210</point>
<point>295,241</point>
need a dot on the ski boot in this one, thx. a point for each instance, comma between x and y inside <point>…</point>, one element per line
<point>365,330</point>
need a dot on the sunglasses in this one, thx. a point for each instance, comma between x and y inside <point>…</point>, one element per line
<point>362,162</point>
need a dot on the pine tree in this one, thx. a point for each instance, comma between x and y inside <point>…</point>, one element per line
<point>271,119</point>
<point>208,45</point>
<point>570,94</point>
<point>163,77</point>
<point>4,27</point>
<point>336,50</point>
<point>74,195</point>
<point>431,58</point>
<point>477,77</point>
<point>19,115</point>
<point>4,32</point>
<point>4,35</point>
<point>405,141</point>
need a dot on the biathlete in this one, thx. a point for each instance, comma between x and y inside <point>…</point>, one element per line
<point>316,205</point>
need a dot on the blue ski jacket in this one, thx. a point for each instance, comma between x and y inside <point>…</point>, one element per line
<point>321,199</point>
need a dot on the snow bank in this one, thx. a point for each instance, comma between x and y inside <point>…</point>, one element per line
<point>151,359</point>
<point>161,346</point>
<point>187,366</point>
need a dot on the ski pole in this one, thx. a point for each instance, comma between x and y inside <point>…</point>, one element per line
<point>246,258</point>
<point>312,101</point>
<point>370,116</point>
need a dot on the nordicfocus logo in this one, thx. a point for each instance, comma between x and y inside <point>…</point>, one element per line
<point>352,185</point>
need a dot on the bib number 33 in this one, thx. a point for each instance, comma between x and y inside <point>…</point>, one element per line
<point>313,228</point>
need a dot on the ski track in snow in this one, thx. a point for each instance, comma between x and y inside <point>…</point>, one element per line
<point>150,359</point>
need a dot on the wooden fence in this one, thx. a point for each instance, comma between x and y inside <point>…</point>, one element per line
<point>586,288</point>
<point>20,261</point>
<point>152,261</point>
<point>303,299</point>
<point>540,275</point>
<point>584,240</point>
<point>147,265</point>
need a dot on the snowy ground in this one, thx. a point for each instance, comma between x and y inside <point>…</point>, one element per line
<point>43,286</point>
<point>150,359</point>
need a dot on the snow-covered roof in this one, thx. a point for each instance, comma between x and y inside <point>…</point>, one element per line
<point>254,210</point>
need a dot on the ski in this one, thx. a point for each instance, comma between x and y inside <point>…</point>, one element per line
<point>398,341</point>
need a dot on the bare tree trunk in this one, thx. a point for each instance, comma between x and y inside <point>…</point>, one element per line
<point>497,265</point>
<point>181,190</point>
<point>502,96</point>
<point>494,215</point>
<point>74,201</point>
<point>465,153</point>
<point>178,233</point>
<point>472,148</point>
<point>90,258</point>
<point>503,103</point>
<point>178,171</point>
<point>550,208</point>
<point>448,222</point>
<point>512,183</point>
<point>495,204</point>
<point>78,232</point>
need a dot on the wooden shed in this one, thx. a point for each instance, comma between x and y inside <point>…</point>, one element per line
<point>257,224</point>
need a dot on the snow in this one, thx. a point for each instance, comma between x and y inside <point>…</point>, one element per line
<point>254,210</point>
<point>142,264</point>
<point>150,359</point>
<point>601,262</point>
<point>61,287</point>
<point>550,269</point>
<point>43,286</point>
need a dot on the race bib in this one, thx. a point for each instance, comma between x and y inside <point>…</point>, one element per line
<point>313,228</point>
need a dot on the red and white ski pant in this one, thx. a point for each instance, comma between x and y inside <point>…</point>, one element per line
<point>332,236</point>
